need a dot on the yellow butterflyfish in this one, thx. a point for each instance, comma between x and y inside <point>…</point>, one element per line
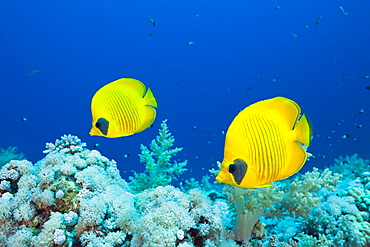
<point>122,108</point>
<point>266,142</point>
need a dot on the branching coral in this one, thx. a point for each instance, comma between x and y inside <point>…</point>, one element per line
<point>159,171</point>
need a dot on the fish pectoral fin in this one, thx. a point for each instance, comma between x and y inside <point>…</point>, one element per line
<point>299,157</point>
<point>303,131</point>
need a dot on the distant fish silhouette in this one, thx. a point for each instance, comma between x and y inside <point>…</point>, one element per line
<point>32,72</point>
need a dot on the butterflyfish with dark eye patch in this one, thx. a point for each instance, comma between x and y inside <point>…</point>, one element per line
<point>122,108</point>
<point>266,142</point>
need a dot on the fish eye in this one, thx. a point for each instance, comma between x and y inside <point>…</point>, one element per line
<point>232,168</point>
<point>97,125</point>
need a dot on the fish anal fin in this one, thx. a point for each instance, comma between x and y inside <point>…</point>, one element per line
<point>298,159</point>
<point>149,116</point>
<point>264,186</point>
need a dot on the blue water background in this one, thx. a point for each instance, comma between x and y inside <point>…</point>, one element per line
<point>244,51</point>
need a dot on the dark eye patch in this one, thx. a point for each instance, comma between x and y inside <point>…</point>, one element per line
<point>238,170</point>
<point>102,124</point>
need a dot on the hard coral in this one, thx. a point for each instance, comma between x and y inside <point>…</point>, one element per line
<point>58,198</point>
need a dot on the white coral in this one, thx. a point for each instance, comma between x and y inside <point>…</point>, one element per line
<point>59,194</point>
<point>70,218</point>
<point>59,237</point>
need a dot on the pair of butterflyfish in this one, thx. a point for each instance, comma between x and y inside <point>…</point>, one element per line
<point>265,142</point>
<point>122,108</point>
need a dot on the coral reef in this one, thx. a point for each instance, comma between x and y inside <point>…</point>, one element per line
<point>70,192</point>
<point>76,197</point>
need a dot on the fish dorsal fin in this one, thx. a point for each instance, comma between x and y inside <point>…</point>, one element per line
<point>291,112</point>
<point>286,109</point>
<point>131,85</point>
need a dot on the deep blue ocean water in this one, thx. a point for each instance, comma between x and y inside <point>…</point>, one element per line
<point>54,55</point>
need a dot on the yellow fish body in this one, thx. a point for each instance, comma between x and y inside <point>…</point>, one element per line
<point>122,108</point>
<point>264,144</point>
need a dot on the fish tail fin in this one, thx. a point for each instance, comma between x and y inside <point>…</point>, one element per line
<point>150,99</point>
<point>303,131</point>
<point>150,110</point>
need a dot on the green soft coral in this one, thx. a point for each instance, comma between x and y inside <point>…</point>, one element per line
<point>159,170</point>
<point>6,155</point>
<point>296,199</point>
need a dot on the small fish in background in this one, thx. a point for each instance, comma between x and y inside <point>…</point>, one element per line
<point>265,142</point>
<point>32,72</point>
<point>366,76</point>
<point>368,87</point>
<point>149,33</point>
<point>190,43</point>
<point>277,7</point>
<point>196,15</point>
<point>275,79</point>
<point>335,58</point>
<point>306,26</point>
<point>343,11</point>
<point>122,108</point>
<point>256,77</point>
<point>152,21</point>
<point>24,119</point>
<point>295,35</point>
<point>248,89</point>
<point>318,20</point>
